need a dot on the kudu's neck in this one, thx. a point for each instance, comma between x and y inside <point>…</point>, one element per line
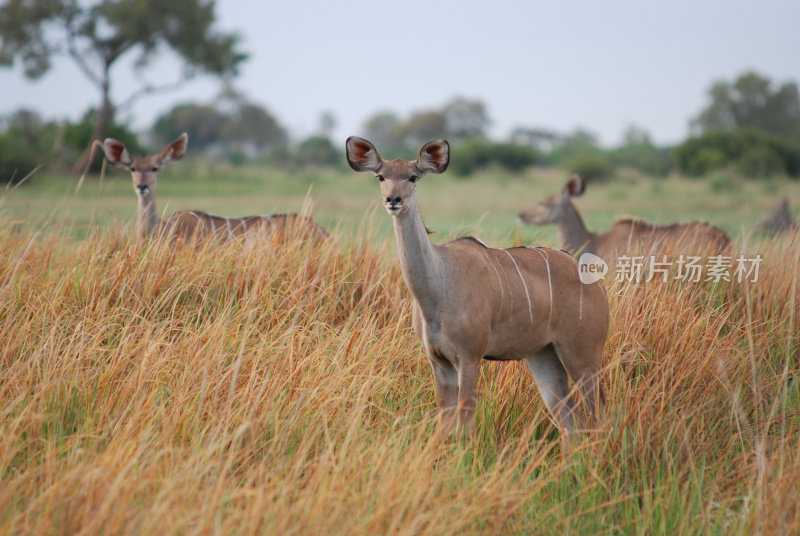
<point>146,216</point>
<point>420,259</point>
<point>572,231</point>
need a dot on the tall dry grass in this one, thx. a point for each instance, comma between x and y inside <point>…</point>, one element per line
<point>279,389</point>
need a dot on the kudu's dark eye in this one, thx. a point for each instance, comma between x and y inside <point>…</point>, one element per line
<point>413,178</point>
<point>155,169</point>
<point>380,178</point>
<point>133,168</point>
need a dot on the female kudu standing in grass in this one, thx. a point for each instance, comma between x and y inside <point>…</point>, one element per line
<point>627,236</point>
<point>473,302</point>
<point>193,224</point>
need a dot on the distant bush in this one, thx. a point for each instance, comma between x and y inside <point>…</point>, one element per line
<point>27,141</point>
<point>318,151</point>
<point>17,158</point>
<point>280,156</point>
<point>753,153</point>
<point>591,166</point>
<point>236,157</point>
<point>643,157</point>
<point>78,135</point>
<point>759,162</point>
<point>722,182</point>
<point>475,154</point>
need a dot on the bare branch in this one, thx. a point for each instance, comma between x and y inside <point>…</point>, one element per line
<point>149,89</point>
<point>72,47</point>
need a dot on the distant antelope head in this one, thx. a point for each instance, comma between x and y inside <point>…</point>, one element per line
<point>555,207</point>
<point>144,168</point>
<point>398,178</point>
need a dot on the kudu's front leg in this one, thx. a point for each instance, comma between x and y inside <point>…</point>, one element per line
<point>445,378</point>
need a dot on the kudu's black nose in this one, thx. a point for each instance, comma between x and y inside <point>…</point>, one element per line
<point>142,188</point>
<point>393,199</point>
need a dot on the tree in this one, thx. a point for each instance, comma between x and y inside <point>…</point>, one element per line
<point>385,130</point>
<point>97,35</point>
<point>636,135</point>
<point>203,122</point>
<point>327,123</point>
<point>464,118</point>
<point>228,123</point>
<point>318,151</point>
<point>423,127</point>
<point>751,151</point>
<point>252,124</point>
<point>460,119</point>
<point>752,101</point>
<point>539,138</point>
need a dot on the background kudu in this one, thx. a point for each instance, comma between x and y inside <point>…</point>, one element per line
<point>194,224</point>
<point>779,220</point>
<point>627,236</point>
<point>474,302</point>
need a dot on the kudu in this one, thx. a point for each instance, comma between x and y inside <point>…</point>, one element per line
<point>627,236</point>
<point>780,220</point>
<point>193,224</point>
<point>474,302</point>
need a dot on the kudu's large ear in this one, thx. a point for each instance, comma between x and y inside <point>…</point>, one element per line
<point>434,157</point>
<point>575,186</point>
<point>362,155</point>
<point>116,152</point>
<point>175,150</point>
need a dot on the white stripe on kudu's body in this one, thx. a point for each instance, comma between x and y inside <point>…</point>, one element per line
<point>193,224</point>
<point>473,302</point>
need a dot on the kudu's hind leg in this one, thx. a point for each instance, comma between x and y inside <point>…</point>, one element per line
<point>551,380</point>
<point>583,366</point>
<point>467,395</point>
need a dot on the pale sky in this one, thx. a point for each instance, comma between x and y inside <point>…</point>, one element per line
<point>599,65</point>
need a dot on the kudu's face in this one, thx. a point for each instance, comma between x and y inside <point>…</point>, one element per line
<point>144,169</point>
<point>548,211</point>
<point>555,207</point>
<point>397,178</point>
<point>143,172</point>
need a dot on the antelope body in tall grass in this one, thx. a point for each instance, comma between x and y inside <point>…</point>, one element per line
<point>626,236</point>
<point>779,220</point>
<point>193,224</point>
<point>474,302</point>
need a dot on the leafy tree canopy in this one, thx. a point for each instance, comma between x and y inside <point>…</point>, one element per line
<point>228,123</point>
<point>459,119</point>
<point>752,101</point>
<point>95,35</point>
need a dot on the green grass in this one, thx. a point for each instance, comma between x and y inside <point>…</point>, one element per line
<point>485,205</point>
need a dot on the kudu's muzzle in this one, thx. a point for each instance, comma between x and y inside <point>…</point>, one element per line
<point>393,204</point>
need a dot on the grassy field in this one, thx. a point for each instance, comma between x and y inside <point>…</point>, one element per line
<point>486,204</point>
<point>257,388</point>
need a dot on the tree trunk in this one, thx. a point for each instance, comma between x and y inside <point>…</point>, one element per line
<point>105,117</point>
